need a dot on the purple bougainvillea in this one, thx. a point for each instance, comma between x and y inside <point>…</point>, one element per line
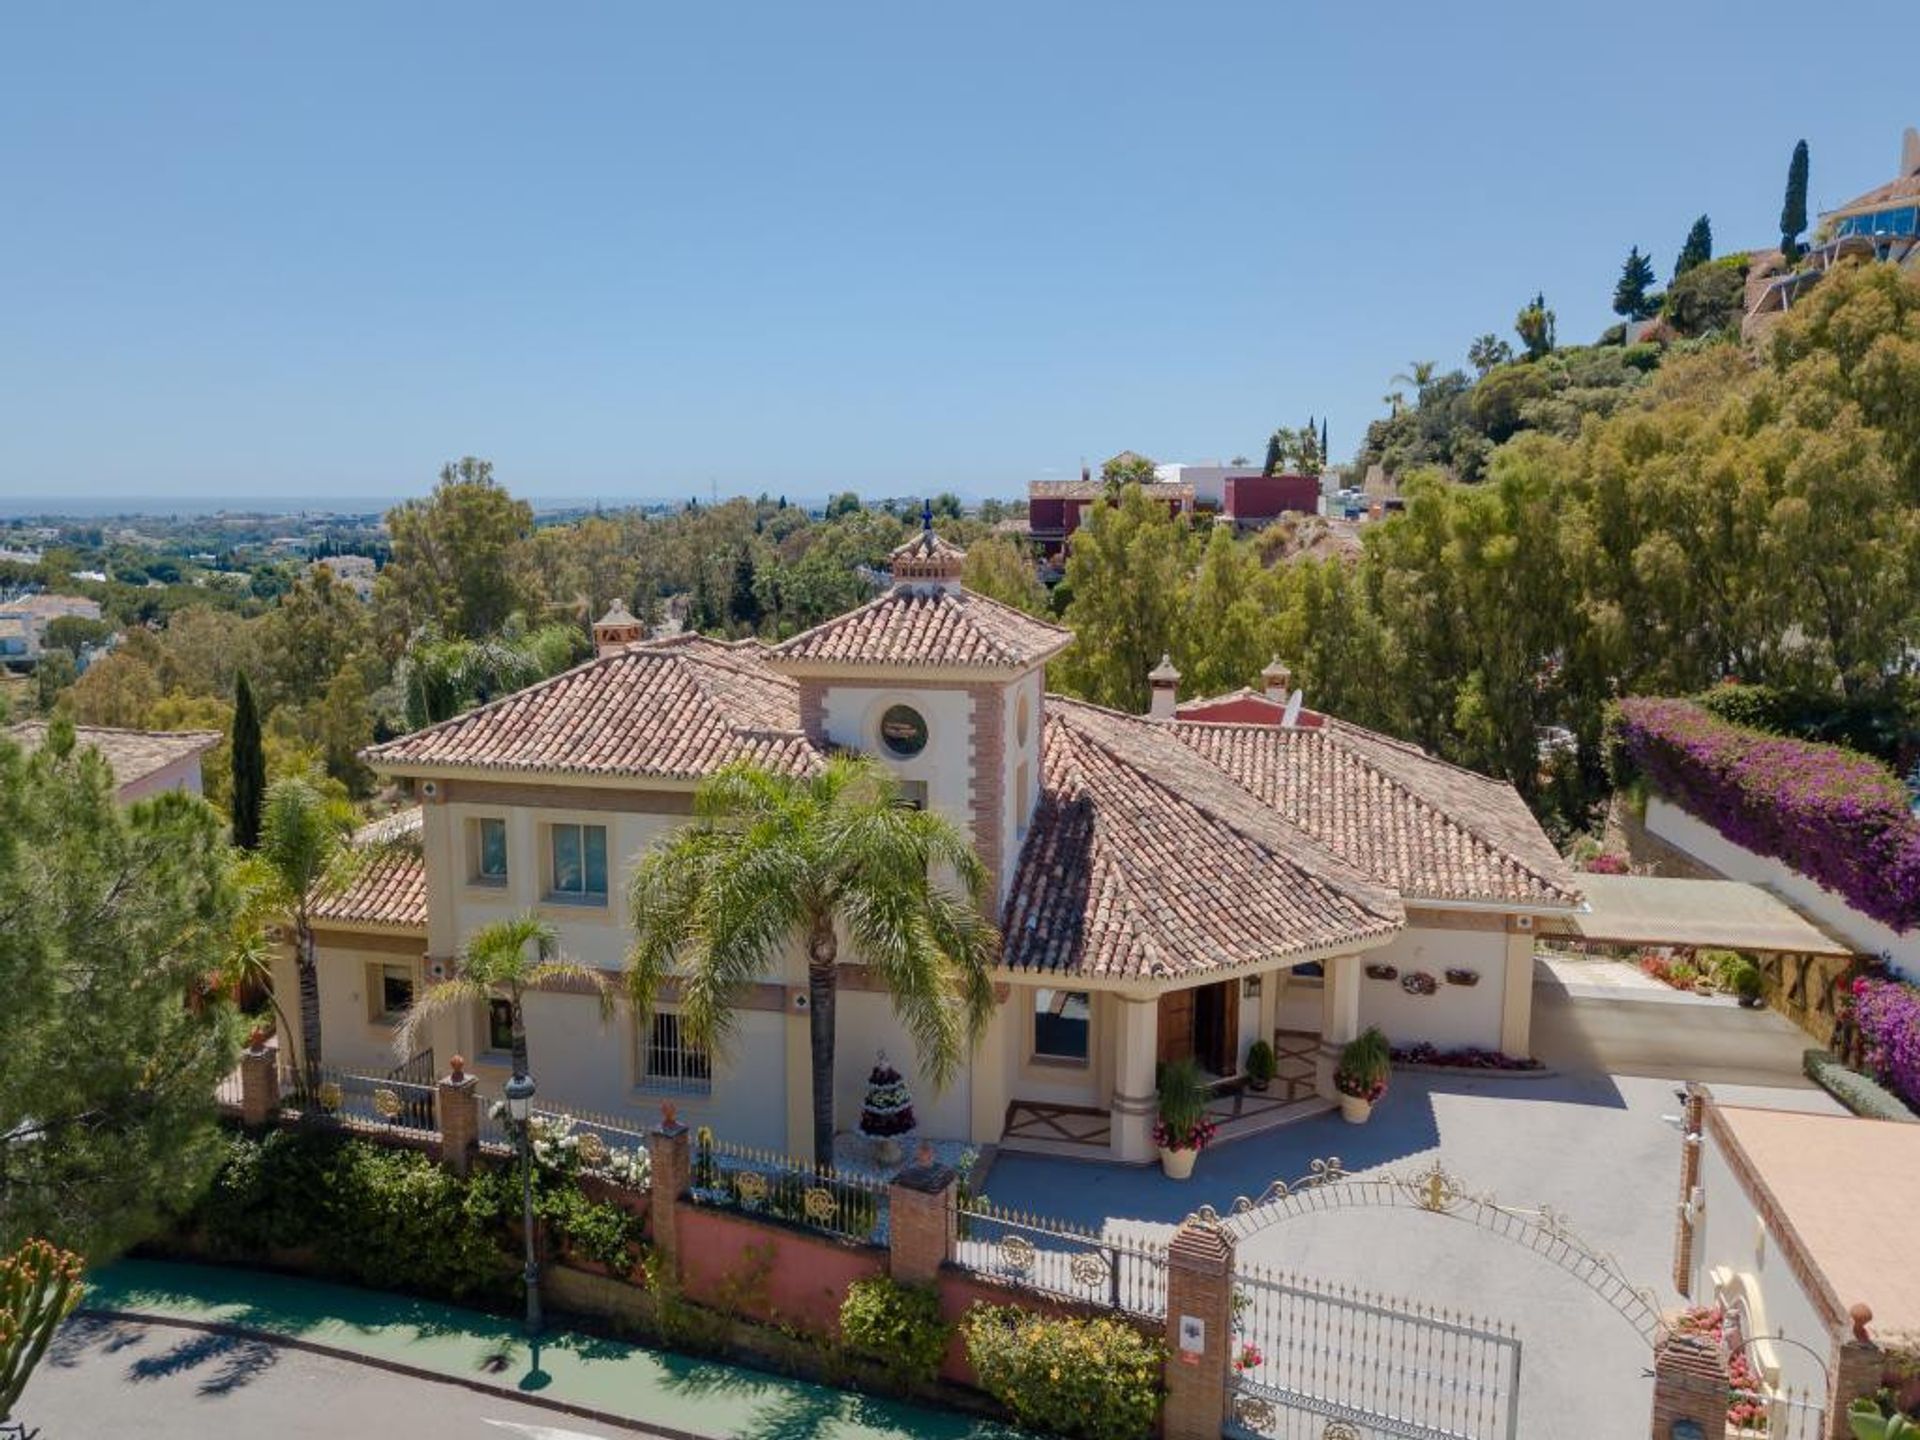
<point>1837,816</point>
<point>1888,1014</point>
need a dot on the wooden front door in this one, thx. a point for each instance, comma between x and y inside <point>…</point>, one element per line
<point>1176,1027</point>
<point>1216,1027</point>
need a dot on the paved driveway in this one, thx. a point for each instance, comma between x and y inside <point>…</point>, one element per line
<point>1589,1145</point>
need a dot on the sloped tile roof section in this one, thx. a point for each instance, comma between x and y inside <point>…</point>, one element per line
<point>391,891</point>
<point>132,755</point>
<point>676,709</point>
<point>928,626</point>
<point>1144,862</point>
<point>1429,829</point>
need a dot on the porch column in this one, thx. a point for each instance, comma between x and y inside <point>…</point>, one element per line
<point>1339,1018</point>
<point>1134,1096</point>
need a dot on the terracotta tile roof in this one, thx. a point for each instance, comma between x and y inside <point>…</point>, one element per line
<point>679,708</point>
<point>132,755</point>
<point>1429,829</point>
<point>392,890</point>
<point>925,625</point>
<point>1143,861</point>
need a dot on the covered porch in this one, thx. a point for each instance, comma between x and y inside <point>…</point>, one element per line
<point>1086,1082</point>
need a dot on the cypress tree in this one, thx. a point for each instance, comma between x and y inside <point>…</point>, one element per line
<point>1793,214</point>
<point>1697,249</point>
<point>249,766</point>
<point>1274,458</point>
<point>1630,294</point>
<point>1326,456</point>
<point>743,603</point>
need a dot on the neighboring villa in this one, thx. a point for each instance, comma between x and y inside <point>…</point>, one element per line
<point>1882,225</point>
<point>144,762</point>
<point>1237,493</point>
<point>1057,508</point>
<point>1171,885</point>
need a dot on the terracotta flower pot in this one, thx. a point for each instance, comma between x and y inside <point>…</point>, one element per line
<point>1354,1110</point>
<point>1177,1164</point>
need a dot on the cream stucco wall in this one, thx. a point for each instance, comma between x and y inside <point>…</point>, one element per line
<point>183,774</point>
<point>944,766</point>
<point>1453,1015</point>
<point>1735,1256</point>
<point>1707,845</point>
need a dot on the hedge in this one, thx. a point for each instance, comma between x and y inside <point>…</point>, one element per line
<point>1887,1013</point>
<point>1852,1089</point>
<point>1097,1379</point>
<point>1838,817</point>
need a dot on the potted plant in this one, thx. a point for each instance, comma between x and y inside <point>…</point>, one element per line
<point>887,1113</point>
<point>1261,1066</point>
<point>1749,985</point>
<point>1183,1129</point>
<point>1361,1077</point>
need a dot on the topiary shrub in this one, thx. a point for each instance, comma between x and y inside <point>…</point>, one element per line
<point>1090,1379</point>
<point>1854,1090</point>
<point>898,1325</point>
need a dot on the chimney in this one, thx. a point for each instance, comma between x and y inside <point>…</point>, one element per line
<point>616,630</point>
<point>1278,680</point>
<point>1165,681</point>
<point>1910,152</point>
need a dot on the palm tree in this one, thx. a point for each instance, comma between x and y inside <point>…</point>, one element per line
<point>1417,374</point>
<point>306,843</point>
<point>503,961</point>
<point>1394,400</point>
<point>772,860</point>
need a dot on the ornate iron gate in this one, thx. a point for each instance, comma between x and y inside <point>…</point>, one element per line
<point>1315,1362</point>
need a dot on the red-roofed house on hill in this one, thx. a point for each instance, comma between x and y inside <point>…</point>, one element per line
<point>1167,886</point>
<point>1257,500</point>
<point>1057,508</point>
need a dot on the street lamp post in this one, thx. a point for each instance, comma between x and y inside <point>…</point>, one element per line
<point>519,1094</point>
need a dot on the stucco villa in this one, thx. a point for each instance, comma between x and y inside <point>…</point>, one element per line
<point>143,762</point>
<point>1174,884</point>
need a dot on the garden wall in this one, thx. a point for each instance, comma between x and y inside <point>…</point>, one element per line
<point>1666,821</point>
<point>765,1272</point>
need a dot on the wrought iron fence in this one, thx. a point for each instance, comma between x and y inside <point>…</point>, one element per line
<point>770,1185</point>
<point>1308,1357</point>
<point>375,1100</point>
<point>1055,1258</point>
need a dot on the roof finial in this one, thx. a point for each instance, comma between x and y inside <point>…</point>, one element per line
<point>926,522</point>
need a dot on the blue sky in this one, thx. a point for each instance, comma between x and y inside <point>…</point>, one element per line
<point>632,251</point>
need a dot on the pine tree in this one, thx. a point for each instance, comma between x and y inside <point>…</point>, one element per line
<point>1630,296</point>
<point>1793,214</point>
<point>249,766</point>
<point>1697,249</point>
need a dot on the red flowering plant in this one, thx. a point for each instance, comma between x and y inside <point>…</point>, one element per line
<point>1183,1123</point>
<point>1364,1067</point>
<point>1249,1358</point>
<point>1605,864</point>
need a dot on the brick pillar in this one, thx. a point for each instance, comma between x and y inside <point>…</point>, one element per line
<point>670,1179</point>
<point>920,1225</point>
<point>1689,1389</point>
<point>259,1082</point>
<point>1691,1142</point>
<point>457,1107</point>
<point>1858,1367</point>
<point>1199,1330</point>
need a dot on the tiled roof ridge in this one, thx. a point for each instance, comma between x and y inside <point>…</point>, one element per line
<point>467,717</point>
<point>968,607</point>
<point>1258,822</point>
<point>1343,733</point>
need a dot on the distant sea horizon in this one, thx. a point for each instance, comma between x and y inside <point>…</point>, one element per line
<point>37,506</point>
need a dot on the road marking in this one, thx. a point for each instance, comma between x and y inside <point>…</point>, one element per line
<point>543,1432</point>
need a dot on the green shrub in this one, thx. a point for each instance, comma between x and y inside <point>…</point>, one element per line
<point>1090,1379</point>
<point>898,1325</point>
<point>1747,982</point>
<point>1683,973</point>
<point>1261,1064</point>
<point>1852,1089</point>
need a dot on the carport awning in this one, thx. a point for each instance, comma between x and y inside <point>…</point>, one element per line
<point>1718,914</point>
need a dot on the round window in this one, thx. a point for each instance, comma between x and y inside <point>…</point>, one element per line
<point>1022,719</point>
<point>903,731</point>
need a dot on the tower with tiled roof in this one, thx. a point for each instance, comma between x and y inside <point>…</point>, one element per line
<point>941,685</point>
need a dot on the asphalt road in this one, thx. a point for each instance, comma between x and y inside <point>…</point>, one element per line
<point>103,1379</point>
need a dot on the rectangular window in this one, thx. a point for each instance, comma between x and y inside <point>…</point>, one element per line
<point>913,794</point>
<point>579,863</point>
<point>500,1025</point>
<point>490,851</point>
<point>396,990</point>
<point>669,1060</point>
<point>1022,780</point>
<point>1062,1025</point>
